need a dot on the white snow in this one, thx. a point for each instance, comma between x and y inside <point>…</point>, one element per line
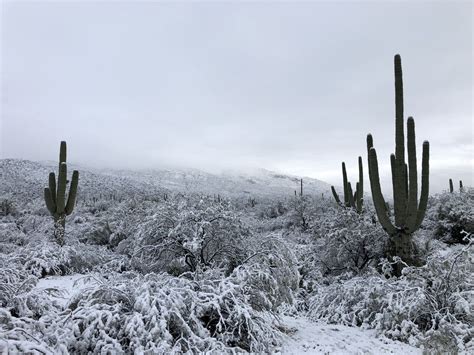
<point>309,337</point>
<point>63,287</point>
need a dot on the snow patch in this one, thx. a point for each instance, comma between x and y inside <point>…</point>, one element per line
<point>62,288</point>
<point>307,337</point>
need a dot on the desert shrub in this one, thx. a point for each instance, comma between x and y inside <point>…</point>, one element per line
<point>269,273</point>
<point>7,206</point>
<point>300,212</point>
<point>156,313</point>
<point>428,306</point>
<point>272,209</point>
<point>11,237</point>
<point>42,258</point>
<point>451,215</point>
<point>194,234</point>
<point>347,241</point>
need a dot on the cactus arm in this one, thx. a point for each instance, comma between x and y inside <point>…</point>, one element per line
<point>370,144</point>
<point>344,184</point>
<point>62,153</point>
<point>398,165</point>
<point>425,180</point>
<point>360,187</point>
<point>336,196</point>
<point>49,201</point>
<point>412,207</point>
<point>72,193</point>
<point>399,135</point>
<point>61,194</point>
<point>350,195</point>
<point>356,193</point>
<point>377,196</point>
<point>52,186</point>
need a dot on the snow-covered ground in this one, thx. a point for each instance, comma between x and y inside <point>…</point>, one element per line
<point>309,337</point>
<point>62,288</point>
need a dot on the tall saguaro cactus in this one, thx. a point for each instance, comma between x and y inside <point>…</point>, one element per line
<point>354,200</point>
<point>451,187</point>
<point>55,195</point>
<point>409,213</point>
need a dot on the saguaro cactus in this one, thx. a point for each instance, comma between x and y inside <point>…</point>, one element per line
<point>451,187</point>
<point>408,212</point>
<point>354,200</point>
<point>55,197</point>
<point>461,188</point>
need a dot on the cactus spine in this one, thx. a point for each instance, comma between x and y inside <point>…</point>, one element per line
<point>55,195</point>
<point>408,212</point>
<point>351,199</point>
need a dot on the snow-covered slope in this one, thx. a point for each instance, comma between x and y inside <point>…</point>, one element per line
<point>28,178</point>
<point>24,180</point>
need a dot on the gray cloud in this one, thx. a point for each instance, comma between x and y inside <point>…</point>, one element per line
<point>288,86</point>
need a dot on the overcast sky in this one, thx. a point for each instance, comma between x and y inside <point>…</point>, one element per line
<point>288,86</point>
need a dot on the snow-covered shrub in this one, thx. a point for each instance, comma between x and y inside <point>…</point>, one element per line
<point>162,314</point>
<point>11,237</point>
<point>7,206</point>
<point>300,211</point>
<point>348,241</point>
<point>42,258</point>
<point>195,234</point>
<point>273,209</point>
<point>269,273</point>
<point>429,306</point>
<point>451,215</point>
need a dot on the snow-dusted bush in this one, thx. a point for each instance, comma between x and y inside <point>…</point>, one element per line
<point>7,206</point>
<point>163,315</point>
<point>430,306</point>
<point>194,234</point>
<point>156,313</point>
<point>300,211</point>
<point>269,273</point>
<point>452,214</point>
<point>348,241</point>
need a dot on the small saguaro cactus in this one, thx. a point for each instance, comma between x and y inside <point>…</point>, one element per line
<point>408,212</point>
<point>451,186</point>
<point>461,188</point>
<point>55,195</point>
<point>301,187</point>
<point>354,200</point>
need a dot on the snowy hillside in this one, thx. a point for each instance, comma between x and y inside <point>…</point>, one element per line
<point>23,176</point>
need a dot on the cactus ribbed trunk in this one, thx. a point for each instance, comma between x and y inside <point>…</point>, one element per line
<point>401,245</point>
<point>59,229</point>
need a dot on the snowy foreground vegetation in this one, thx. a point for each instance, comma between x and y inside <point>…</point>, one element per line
<point>148,270</point>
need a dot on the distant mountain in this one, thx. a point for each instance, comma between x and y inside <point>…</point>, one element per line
<point>25,179</point>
